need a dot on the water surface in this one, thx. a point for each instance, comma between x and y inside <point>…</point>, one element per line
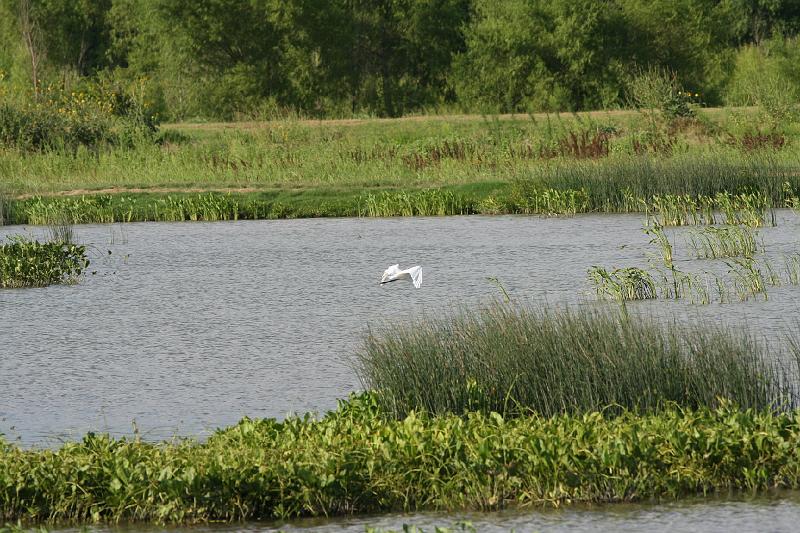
<point>187,327</point>
<point>774,513</point>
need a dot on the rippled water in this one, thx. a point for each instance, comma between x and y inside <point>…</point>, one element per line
<point>186,327</point>
<point>775,513</point>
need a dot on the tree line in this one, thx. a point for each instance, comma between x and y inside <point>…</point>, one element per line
<point>227,58</point>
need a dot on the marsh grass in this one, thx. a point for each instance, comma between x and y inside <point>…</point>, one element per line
<point>623,284</point>
<point>430,202</point>
<point>61,230</point>
<point>792,268</point>
<point>531,200</point>
<point>747,277</point>
<point>514,360</point>
<point>731,241</point>
<point>341,178</point>
<point>209,206</point>
<point>735,245</point>
<point>683,189</point>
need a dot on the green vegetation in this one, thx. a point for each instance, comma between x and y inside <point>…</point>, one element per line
<point>355,461</point>
<point>506,406</point>
<point>737,245</point>
<point>223,59</point>
<point>62,123</point>
<point>623,284</point>
<point>536,165</point>
<point>29,263</point>
<point>730,241</point>
<point>83,88</point>
<point>516,360</point>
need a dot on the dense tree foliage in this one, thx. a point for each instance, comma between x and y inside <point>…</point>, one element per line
<point>223,58</point>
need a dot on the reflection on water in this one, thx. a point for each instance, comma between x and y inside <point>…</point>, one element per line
<point>778,512</point>
<point>187,327</point>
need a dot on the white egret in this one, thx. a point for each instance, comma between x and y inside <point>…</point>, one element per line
<point>393,273</point>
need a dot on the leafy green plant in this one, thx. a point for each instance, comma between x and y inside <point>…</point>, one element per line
<point>28,263</point>
<point>429,202</point>
<point>357,460</point>
<point>528,199</point>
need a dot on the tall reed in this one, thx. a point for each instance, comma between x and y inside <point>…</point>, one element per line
<point>732,241</point>
<point>514,359</point>
<point>4,201</point>
<point>617,184</point>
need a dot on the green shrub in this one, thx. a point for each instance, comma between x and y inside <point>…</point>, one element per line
<point>60,121</point>
<point>658,89</point>
<point>767,76</point>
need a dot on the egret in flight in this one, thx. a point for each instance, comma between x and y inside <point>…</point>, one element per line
<point>393,273</point>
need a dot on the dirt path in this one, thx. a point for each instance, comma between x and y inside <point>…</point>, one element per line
<point>134,190</point>
<point>245,125</point>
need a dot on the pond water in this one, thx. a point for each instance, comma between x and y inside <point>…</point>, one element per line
<point>187,327</point>
<point>775,513</point>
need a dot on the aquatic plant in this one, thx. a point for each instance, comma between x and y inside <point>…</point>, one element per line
<point>428,202</point>
<point>732,241</point>
<point>748,278</point>
<point>354,460</point>
<point>661,240</point>
<point>514,359</point>
<point>685,179</point>
<point>751,209</point>
<point>680,210</point>
<point>61,231</point>
<point>29,263</point>
<point>623,284</point>
<point>530,200</point>
<point>792,268</point>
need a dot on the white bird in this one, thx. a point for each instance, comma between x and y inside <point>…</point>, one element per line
<point>393,273</point>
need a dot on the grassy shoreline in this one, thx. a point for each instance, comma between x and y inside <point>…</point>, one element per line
<point>355,461</point>
<point>603,161</point>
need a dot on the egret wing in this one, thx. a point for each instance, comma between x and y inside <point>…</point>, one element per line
<point>416,275</point>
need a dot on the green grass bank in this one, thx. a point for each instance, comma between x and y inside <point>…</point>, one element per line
<point>613,161</point>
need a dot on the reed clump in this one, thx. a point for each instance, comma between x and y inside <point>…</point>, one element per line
<point>428,202</point>
<point>355,460</point>
<point>731,241</point>
<point>621,184</point>
<point>623,284</point>
<point>514,359</point>
<point>30,263</point>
